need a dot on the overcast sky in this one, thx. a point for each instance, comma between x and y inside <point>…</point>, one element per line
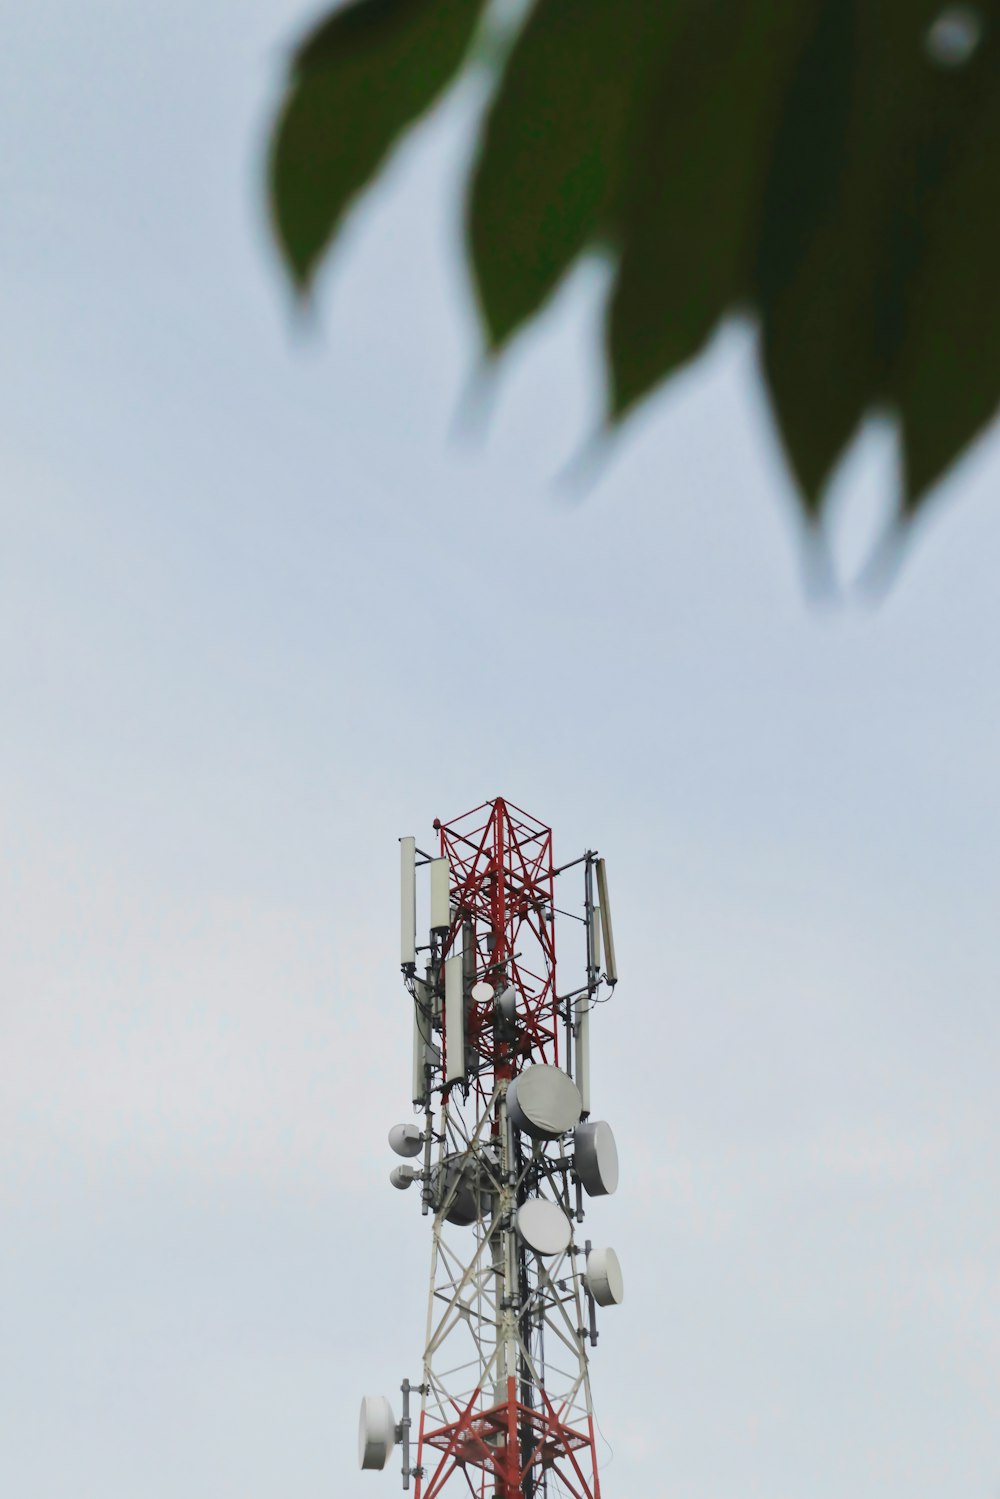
<point>262,614</point>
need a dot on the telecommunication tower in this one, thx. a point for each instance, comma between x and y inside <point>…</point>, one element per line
<point>505,1154</point>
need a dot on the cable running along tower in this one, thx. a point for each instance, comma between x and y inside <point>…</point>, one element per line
<point>505,1154</point>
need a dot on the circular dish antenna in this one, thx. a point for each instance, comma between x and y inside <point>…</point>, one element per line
<point>603,1276</point>
<point>403,1177</point>
<point>376,1432</point>
<point>507,1003</point>
<point>596,1157</point>
<point>544,1101</point>
<point>464,1185</point>
<point>406,1139</point>
<point>543,1226</point>
<point>482,993</point>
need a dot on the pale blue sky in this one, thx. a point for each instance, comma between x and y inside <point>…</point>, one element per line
<point>262,614</point>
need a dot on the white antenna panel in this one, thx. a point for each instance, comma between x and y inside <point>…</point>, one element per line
<point>543,1226</point>
<point>421,1040</point>
<point>376,1432</point>
<point>610,966</point>
<point>544,1102</point>
<point>603,1276</point>
<point>440,891</point>
<point>595,1158</point>
<point>408,902</point>
<point>454,1016</point>
<point>583,1051</point>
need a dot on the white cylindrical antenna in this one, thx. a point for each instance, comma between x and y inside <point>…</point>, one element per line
<point>408,903</point>
<point>454,1018</point>
<point>440,904</point>
<point>582,1074</point>
<point>610,966</point>
<point>422,999</point>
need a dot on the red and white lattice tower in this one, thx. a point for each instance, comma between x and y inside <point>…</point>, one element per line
<point>505,1154</point>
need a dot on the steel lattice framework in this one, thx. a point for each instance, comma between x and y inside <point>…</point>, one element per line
<point>503,888</point>
<point>505,1391</point>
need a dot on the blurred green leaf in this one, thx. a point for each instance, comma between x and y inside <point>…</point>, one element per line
<point>947,380</point>
<point>552,149</point>
<point>813,282</point>
<point>828,165</point>
<point>696,183</point>
<point>865,139</point>
<point>357,83</point>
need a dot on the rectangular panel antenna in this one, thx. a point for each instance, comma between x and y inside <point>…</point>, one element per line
<point>408,903</point>
<point>421,1040</point>
<point>440,890</point>
<point>610,966</point>
<point>582,1074</point>
<point>454,1018</point>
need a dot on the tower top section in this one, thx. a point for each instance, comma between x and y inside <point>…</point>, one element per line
<point>510,1153</point>
<point>501,878</point>
<point>488,1003</point>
